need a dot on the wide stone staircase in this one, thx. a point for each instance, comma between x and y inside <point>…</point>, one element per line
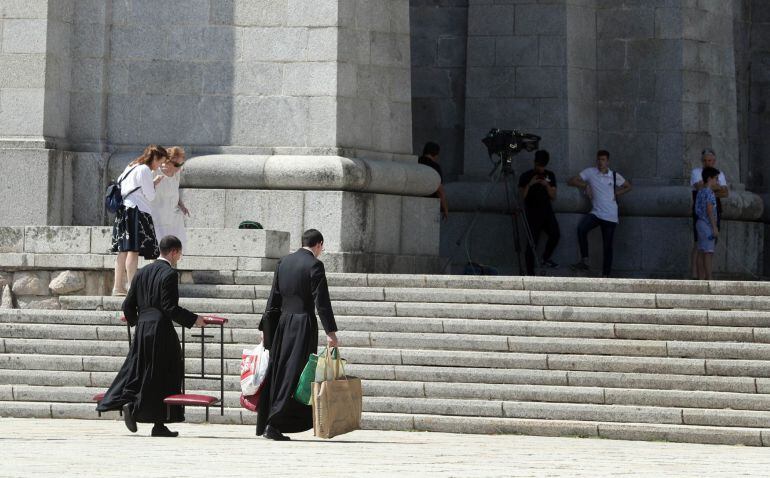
<point>623,359</point>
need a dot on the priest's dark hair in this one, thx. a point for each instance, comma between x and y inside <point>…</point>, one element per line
<point>542,157</point>
<point>311,238</point>
<point>709,173</point>
<point>169,244</point>
<point>431,149</point>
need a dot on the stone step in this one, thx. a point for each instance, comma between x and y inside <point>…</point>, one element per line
<point>107,336</point>
<point>69,240</point>
<point>189,264</point>
<point>464,409</point>
<point>459,392</point>
<point>567,394</point>
<point>37,364</point>
<point>112,329</point>
<point>414,323</point>
<point>100,380</point>
<point>87,411</point>
<point>571,428</point>
<point>461,300</point>
<point>569,411</point>
<point>442,358</point>
<point>505,283</point>
<point>445,424</point>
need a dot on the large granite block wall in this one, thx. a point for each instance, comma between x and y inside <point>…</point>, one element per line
<point>759,97</point>
<point>653,82</point>
<point>438,48</point>
<point>517,69</point>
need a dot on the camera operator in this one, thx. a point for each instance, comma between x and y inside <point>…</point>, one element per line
<point>603,186</point>
<point>538,189</point>
<point>429,158</point>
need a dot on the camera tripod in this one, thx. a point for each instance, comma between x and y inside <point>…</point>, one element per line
<point>503,169</point>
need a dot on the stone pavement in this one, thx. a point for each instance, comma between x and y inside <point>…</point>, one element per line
<point>56,448</point>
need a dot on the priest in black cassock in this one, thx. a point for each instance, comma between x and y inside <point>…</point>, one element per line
<point>154,367</point>
<point>290,332</point>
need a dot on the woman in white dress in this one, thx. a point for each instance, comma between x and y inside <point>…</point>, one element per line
<point>168,210</point>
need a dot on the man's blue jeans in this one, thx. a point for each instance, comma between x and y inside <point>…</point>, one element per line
<point>608,233</point>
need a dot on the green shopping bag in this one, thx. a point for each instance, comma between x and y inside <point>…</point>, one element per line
<point>304,392</point>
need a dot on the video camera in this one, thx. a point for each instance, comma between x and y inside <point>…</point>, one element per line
<point>507,143</point>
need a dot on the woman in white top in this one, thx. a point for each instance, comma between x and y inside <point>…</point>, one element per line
<point>168,210</point>
<point>133,232</point>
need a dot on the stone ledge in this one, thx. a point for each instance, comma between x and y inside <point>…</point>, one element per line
<point>27,261</point>
<point>65,246</point>
<point>643,201</point>
<point>317,172</point>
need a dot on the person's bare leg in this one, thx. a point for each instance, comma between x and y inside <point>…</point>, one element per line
<point>708,261</point>
<point>119,283</point>
<point>701,270</point>
<point>694,261</point>
<point>132,262</point>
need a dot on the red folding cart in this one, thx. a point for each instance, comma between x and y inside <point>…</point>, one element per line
<point>197,400</point>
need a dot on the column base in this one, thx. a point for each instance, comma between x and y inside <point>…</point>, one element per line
<point>37,187</point>
<point>645,247</point>
<point>363,232</point>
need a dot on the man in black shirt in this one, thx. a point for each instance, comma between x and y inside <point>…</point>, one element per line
<point>538,188</point>
<point>430,158</point>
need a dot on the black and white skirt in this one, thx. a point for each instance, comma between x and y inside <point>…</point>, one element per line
<point>134,231</point>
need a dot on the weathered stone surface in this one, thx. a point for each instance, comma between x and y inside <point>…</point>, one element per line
<point>31,283</point>
<point>36,177</point>
<point>37,302</point>
<point>67,282</point>
<point>11,239</point>
<point>71,261</point>
<point>236,243</point>
<point>6,297</point>
<point>690,434</point>
<point>101,240</point>
<point>6,278</point>
<point>57,240</point>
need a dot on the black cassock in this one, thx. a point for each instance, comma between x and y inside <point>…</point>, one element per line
<point>299,288</point>
<point>154,367</point>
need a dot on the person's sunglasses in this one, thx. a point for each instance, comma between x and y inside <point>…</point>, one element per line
<point>177,165</point>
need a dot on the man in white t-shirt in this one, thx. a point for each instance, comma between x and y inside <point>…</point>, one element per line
<point>603,186</point>
<point>709,160</point>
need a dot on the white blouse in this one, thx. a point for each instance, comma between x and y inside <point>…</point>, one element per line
<point>140,177</point>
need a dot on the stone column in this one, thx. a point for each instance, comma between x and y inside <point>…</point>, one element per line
<point>758,113</point>
<point>34,110</point>
<point>293,116</point>
<point>652,83</point>
<point>439,37</point>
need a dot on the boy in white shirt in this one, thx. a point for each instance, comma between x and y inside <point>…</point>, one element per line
<point>602,186</point>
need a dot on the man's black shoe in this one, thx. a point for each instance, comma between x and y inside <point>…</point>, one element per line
<point>550,264</point>
<point>272,433</point>
<point>128,418</point>
<point>579,266</point>
<point>163,431</point>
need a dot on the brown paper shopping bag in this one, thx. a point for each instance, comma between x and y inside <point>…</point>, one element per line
<point>337,404</point>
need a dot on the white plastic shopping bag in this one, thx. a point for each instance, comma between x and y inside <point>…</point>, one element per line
<point>253,369</point>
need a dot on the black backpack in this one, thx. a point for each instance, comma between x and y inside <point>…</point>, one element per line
<point>113,198</point>
<point>249,225</point>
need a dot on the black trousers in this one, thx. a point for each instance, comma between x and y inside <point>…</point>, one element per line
<point>590,222</point>
<point>541,221</point>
